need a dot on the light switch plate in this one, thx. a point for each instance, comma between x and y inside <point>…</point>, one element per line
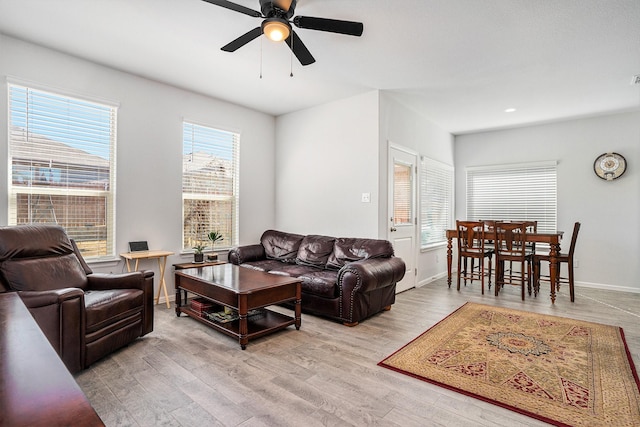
<point>366,197</point>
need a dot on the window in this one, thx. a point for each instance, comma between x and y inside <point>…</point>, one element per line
<point>61,152</point>
<point>436,201</point>
<point>402,194</point>
<point>524,192</point>
<point>209,184</point>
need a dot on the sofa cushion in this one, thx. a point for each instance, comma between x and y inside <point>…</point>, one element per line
<point>293,270</point>
<point>321,283</point>
<point>262,265</point>
<point>348,250</point>
<point>281,246</point>
<point>315,250</point>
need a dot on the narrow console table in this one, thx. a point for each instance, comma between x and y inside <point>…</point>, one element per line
<point>162,264</point>
<point>36,389</point>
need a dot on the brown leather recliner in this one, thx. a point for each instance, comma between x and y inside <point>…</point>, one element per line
<point>84,315</point>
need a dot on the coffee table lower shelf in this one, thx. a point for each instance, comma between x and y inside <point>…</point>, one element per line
<point>258,325</point>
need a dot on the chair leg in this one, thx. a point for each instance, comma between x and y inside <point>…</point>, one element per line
<point>481,274</point>
<point>489,272</point>
<point>534,278</point>
<point>459,271</point>
<point>473,266</point>
<point>522,274</point>
<point>499,266</point>
<point>571,290</point>
<point>465,261</point>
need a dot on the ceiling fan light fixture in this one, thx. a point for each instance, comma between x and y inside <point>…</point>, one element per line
<point>276,29</point>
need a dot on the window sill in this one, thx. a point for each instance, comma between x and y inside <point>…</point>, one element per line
<point>433,247</point>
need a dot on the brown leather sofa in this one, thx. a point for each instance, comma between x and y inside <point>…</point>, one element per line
<point>345,279</point>
<point>84,315</point>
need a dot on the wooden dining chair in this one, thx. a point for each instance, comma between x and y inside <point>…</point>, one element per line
<point>471,241</point>
<point>566,258</point>
<point>512,247</point>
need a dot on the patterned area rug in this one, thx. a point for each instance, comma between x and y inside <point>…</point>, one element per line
<point>562,371</point>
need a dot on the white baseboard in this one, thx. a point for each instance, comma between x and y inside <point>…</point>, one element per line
<point>602,286</point>
<point>432,279</point>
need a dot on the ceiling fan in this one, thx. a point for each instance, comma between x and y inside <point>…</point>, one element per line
<point>277,15</point>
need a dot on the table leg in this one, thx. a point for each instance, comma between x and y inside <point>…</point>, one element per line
<point>298,306</point>
<point>243,329</point>
<point>128,265</point>
<point>179,296</point>
<point>449,260</point>
<point>162,264</point>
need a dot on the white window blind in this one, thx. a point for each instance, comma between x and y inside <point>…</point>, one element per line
<point>61,152</point>
<point>436,201</point>
<point>210,171</point>
<point>402,194</point>
<point>522,192</point>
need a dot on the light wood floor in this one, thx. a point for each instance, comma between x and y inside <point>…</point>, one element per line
<point>185,374</point>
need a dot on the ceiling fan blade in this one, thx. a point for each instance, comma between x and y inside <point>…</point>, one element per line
<point>235,7</point>
<point>332,25</point>
<point>242,40</point>
<point>299,49</point>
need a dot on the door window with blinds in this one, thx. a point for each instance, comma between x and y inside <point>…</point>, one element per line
<point>61,155</point>
<point>402,194</point>
<point>436,201</point>
<point>209,185</point>
<point>522,192</point>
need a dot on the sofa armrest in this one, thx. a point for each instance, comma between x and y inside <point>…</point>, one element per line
<point>370,274</point>
<point>60,315</point>
<point>247,253</point>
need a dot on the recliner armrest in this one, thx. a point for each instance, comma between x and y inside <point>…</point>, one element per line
<point>60,315</point>
<point>105,281</point>
<point>36,299</point>
<point>142,280</point>
<point>247,253</point>
<point>369,274</point>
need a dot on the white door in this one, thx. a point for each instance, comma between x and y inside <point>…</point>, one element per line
<point>402,212</point>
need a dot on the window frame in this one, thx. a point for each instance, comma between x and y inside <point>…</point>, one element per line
<point>526,191</point>
<point>444,176</point>
<point>187,242</point>
<point>80,131</point>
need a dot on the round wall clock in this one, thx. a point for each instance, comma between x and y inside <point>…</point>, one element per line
<point>610,166</point>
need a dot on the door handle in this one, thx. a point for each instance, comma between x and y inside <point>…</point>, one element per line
<point>394,229</point>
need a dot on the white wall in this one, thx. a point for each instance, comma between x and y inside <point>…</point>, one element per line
<point>326,157</point>
<point>404,126</point>
<point>149,150</point>
<point>609,239</point>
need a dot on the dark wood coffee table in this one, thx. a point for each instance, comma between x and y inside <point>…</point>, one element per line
<point>241,289</point>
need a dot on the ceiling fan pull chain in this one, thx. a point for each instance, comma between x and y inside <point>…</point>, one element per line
<point>291,58</point>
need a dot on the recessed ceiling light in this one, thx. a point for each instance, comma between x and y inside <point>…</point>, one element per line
<point>509,110</point>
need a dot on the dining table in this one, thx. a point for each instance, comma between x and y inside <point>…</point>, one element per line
<point>552,239</point>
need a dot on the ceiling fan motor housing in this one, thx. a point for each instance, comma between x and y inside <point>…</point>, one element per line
<point>271,9</point>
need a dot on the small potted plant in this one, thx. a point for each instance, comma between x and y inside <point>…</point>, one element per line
<point>214,236</point>
<point>198,255</point>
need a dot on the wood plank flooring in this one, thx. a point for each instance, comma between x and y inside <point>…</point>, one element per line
<point>325,374</point>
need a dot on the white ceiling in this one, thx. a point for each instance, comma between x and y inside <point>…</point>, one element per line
<point>460,62</point>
